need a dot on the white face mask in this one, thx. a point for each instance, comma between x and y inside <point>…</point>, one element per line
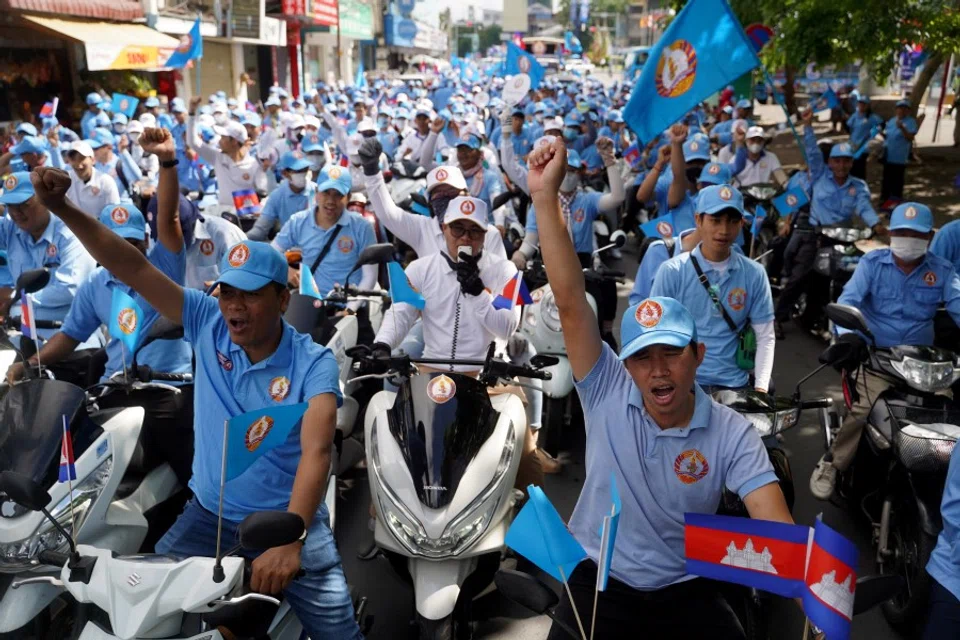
<point>754,148</point>
<point>570,183</point>
<point>220,118</point>
<point>298,180</point>
<point>908,249</point>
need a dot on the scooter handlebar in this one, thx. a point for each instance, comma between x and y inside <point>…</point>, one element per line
<point>53,558</point>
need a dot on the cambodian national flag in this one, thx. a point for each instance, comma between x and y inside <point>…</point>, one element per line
<point>68,470</point>
<point>770,556</point>
<point>790,200</point>
<point>515,293</point>
<point>247,202</point>
<point>662,227</point>
<point>703,50</point>
<point>831,582</point>
<point>49,109</point>
<point>632,155</point>
<point>28,325</point>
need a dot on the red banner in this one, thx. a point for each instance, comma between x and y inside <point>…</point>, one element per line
<point>325,12</point>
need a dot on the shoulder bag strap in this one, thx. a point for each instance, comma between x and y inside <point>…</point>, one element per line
<point>713,295</point>
<point>326,248</point>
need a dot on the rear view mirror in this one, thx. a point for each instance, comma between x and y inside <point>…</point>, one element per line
<point>164,329</point>
<point>837,352</point>
<point>24,491</point>
<point>848,317</point>
<point>269,529</point>
<point>619,238</point>
<point>375,254</point>
<point>33,280</point>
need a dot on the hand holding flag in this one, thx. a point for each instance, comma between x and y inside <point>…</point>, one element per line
<point>514,293</point>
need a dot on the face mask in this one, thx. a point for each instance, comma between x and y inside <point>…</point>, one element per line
<point>134,138</point>
<point>570,183</point>
<point>118,128</point>
<point>220,118</point>
<point>438,206</point>
<point>538,117</point>
<point>298,180</point>
<point>570,134</point>
<point>316,160</point>
<point>754,148</point>
<point>401,124</point>
<point>908,249</point>
<point>382,122</point>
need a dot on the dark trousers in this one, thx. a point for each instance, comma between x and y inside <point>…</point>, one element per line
<point>943,621</point>
<point>167,433</point>
<point>798,261</point>
<point>859,169</point>
<point>625,612</point>
<point>892,184</point>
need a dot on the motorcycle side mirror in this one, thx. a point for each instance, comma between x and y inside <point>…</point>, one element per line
<point>33,280</point>
<point>24,491</point>
<point>164,329</point>
<point>872,590</point>
<point>619,238</point>
<point>531,593</point>
<point>541,362</point>
<point>848,317</point>
<point>269,529</point>
<point>837,352</point>
<point>375,254</point>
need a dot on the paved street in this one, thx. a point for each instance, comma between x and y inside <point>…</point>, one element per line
<point>391,600</point>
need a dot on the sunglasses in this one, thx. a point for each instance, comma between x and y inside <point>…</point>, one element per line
<point>473,232</point>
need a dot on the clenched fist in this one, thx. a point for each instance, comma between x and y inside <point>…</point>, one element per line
<point>678,133</point>
<point>50,185</point>
<point>158,142</point>
<point>605,149</point>
<point>547,167</point>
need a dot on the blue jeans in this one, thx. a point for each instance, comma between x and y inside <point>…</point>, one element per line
<point>943,621</point>
<point>320,599</point>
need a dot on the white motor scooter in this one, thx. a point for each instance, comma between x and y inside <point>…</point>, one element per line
<point>442,457</point>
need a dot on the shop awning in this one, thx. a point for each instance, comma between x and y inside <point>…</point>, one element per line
<point>111,45</point>
<point>102,9</point>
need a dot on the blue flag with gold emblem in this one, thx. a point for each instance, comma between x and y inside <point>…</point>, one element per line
<point>126,319</point>
<point>252,434</point>
<point>519,61</point>
<point>190,48</point>
<point>703,50</point>
<point>400,288</point>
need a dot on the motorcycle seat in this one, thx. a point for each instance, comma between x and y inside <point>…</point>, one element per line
<point>249,619</point>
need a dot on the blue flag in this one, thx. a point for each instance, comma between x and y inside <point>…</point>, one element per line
<point>361,79</point>
<point>827,100</point>
<point>519,61</point>
<point>790,200</point>
<point>661,227</point>
<point>758,217</point>
<point>127,105</point>
<point>191,47</point>
<point>126,319</point>
<point>703,50</point>
<point>308,284</point>
<point>572,43</point>
<point>252,434</point>
<point>866,143</point>
<point>831,582</point>
<point>400,288</point>
<point>608,535</point>
<point>539,535</point>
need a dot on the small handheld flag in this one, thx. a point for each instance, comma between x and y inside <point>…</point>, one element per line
<point>790,200</point>
<point>28,324</point>
<point>361,79</point>
<point>191,48</point>
<point>400,288</point>
<point>759,34</point>
<point>127,105</point>
<point>827,100</point>
<point>662,227</point>
<point>126,319</point>
<point>831,582</point>
<point>49,109</point>
<point>632,155</point>
<point>862,149</point>
<point>247,202</point>
<point>308,285</point>
<point>252,434</point>
<point>68,470</point>
<point>514,293</point>
<point>539,535</point>
<point>608,535</point>
<point>759,216</point>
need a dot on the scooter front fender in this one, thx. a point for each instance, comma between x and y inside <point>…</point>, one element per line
<point>436,585</point>
<point>20,606</point>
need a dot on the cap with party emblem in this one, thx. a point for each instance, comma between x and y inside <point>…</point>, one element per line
<point>29,144</point>
<point>656,321</point>
<point>125,220</point>
<point>913,216</point>
<point>719,197</point>
<point>714,173</point>
<point>17,188</point>
<point>842,150</point>
<point>293,161</point>
<point>471,141</point>
<point>467,208</point>
<point>250,266</point>
<point>334,177</point>
<point>695,150</point>
<point>446,175</point>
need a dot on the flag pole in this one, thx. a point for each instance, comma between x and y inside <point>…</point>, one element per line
<point>573,604</point>
<point>199,62</point>
<point>123,361</point>
<point>73,519</point>
<point>218,576</point>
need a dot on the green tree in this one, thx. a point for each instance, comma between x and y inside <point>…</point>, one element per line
<point>489,36</point>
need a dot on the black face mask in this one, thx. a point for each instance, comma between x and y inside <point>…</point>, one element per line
<point>299,136</point>
<point>438,206</point>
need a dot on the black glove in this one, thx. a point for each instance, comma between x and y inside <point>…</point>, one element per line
<point>370,151</point>
<point>468,275</point>
<point>380,351</point>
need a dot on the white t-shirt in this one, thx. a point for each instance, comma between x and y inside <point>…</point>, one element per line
<point>92,196</point>
<point>759,172</point>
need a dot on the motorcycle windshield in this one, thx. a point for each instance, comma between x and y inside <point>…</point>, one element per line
<point>440,422</point>
<point>31,427</point>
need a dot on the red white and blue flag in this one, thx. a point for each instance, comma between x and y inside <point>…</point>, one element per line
<point>514,294</point>
<point>632,155</point>
<point>68,470</point>
<point>49,109</point>
<point>755,553</point>
<point>28,325</point>
<point>247,202</point>
<point>831,580</point>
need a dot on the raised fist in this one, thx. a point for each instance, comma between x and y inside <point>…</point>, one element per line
<point>158,142</point>
<point>678,133</point>
<point>369,152</point>
<point>50,185</point>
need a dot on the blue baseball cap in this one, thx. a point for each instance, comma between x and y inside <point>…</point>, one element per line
<point>17,188</point>
<point>334,177</point>
<point>178,107</point>
<point>100,138</point>
<point>913,216</point>
<point>573,159</point>
<point>250,266</point>
<point>470,140</point>
<point>293,161</point>
<point>864,99</point>
<point>903,103</point>
<point>151,102</point>
<point>251,118</point>
<point>719,197</point>
<point>745,104</point>
<point>715,173</point>
<point>656,321</point>
<point>29,144</point>
<point>842,150</point>
<point>94,99</point>
<point>696,150</point>
<point>27,128</point>
<point>615,115</point>
<point>125,220</point>
<point>312,143</point>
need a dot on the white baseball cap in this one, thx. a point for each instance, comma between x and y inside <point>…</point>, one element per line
<point>311,121</point>
<point>83,148</point>
<point>550,124</point>
<point>366,125</point>
<point>467,208</point>
<point>446,175</point>
<point>353,144</point>
<point>135,126</point>
<point>232,129</point>
<point>755,132</point>
<point>148,120</point>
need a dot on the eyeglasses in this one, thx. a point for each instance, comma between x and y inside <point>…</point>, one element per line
<point>474,232</point>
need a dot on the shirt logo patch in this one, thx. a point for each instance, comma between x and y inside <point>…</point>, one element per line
<point>467,207</point>
<point>257,432</point>
<point>737,299</point>
<point>246,176</point>
<point>441,175</point>
<point>649,313</point>
<point>441,389</point>
<point>127,320</point>
<point>578,216</point>
<point>120,215</point>
<point>664,229</point>
<point>910,213</point>
<point>206,247</point>
<point>726,193</point>
<point>279,388</point>
<point>238,255</point>
<point>690,466</point>
<point>345,244</point>
<point>225,362</point>
<point>791,200</point>
<point>676,69</point>
<point>51,250</point>
<point>334,173</point>
<point>930,278</point>
<point>10,183</point>
<point>95,191</point>
<point>852,191</point>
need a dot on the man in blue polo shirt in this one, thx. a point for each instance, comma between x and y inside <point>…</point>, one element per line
<point>294,194</point>
<point>167,433</point>
<point>943,620</point>
<point>669,447</point>
<point>248,358</point>
<point>739,292</point>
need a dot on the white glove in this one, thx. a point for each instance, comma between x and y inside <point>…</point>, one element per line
<point>506,122</point>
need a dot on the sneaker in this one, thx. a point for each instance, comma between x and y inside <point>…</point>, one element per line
<point>824,480</point>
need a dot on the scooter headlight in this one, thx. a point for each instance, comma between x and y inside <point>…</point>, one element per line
<point>925,376</point>
<point>21,555</point>
<point>770,424</point>
<point>550,313</point>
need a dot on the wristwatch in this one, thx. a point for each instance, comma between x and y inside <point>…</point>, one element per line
<point>303,537</point>
<point>166,164</point>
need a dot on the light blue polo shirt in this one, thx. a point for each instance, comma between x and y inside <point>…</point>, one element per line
<point>491,188</point>
<point>92,305</point>
<point>660,473</point>
<point>860,127</point>
<point>898,147</point>
<point>743,290</point>
<point>389,141</point>
<point>583,211</point>
<point>944,563</point>
<point>832,203</point>
<point>946,243</point>
<point>226,385</point>
<point>899,308</point>
<point>302,231</point>
<point>284,201</point>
